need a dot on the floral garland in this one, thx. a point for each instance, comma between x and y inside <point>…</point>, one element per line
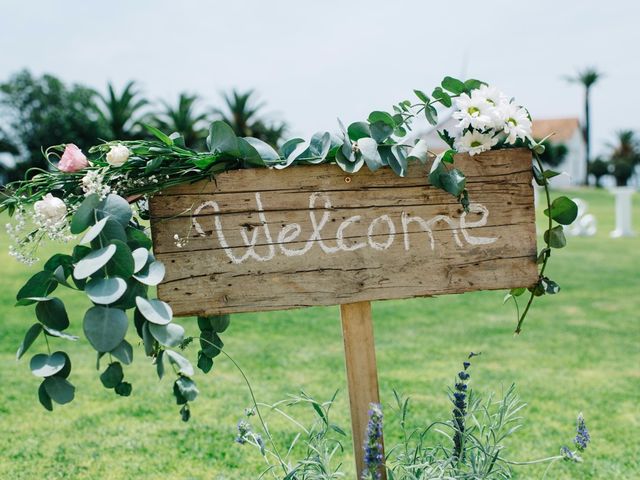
<point>114,266</point>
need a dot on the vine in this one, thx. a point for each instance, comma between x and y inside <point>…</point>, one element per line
<point>114,266</point>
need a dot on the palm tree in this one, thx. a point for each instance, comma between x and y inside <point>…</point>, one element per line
<point>183,119</point>
<point>625,155</point>
<point>120,113</point>
<point>242,113</point>
<point>587,78</point>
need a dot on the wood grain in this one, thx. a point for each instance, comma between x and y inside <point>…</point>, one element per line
<point>362,374</point>
<point>202,278</point>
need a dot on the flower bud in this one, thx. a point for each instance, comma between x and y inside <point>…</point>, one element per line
<point>50,209</point>
<point>72,159</point>
<point>118,155</point>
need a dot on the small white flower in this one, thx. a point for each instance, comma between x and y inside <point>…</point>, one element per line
<point>92,183</point>
<point>472,111</point>
<point>118,155</point>
<point>475,142</point>
<point>50,209</point>
<point>517,124</point>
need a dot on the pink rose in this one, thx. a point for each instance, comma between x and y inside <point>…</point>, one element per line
<point>72,159</point>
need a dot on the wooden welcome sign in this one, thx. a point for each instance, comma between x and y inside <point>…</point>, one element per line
<point>255,240</point>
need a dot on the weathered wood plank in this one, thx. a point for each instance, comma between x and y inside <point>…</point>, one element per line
<point>362,374</point>
<point>265,239</point>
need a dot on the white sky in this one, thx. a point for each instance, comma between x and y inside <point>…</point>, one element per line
<point>314,61</point>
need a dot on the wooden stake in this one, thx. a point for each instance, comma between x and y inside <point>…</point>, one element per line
<point>362,374</point>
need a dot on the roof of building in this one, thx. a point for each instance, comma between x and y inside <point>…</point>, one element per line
<point>561,128</point>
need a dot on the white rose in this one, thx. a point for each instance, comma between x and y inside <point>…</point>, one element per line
<point>50,208</point>
<point>118,155</point>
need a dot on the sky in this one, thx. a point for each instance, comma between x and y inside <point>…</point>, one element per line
<point>315,61</point>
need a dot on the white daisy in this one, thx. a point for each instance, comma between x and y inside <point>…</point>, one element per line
<point>472,111</point>
<point>517,124</point>
<point>475,142</point>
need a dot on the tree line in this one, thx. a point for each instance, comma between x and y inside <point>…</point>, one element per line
<point>39,111</point>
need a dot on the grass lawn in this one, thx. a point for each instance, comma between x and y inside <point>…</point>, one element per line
<point>580,351</point>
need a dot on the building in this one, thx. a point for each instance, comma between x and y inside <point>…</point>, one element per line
<point>566,131</point>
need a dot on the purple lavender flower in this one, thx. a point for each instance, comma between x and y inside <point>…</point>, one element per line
<point>463,375</point>
<point>373,455</point>
<point>244,429</point>
<point>582,437</point>
<point>569,455</point>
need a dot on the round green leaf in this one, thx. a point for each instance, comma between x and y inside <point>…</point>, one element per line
<point>383,117</point>
<point>121,264</point>
<point>43,365</point>
<point>66,370</point>
<point>555,237</point>
<point>113,230</point>
<point>123,389</point>
<point>369,150</point>
<point>44,398</point>
<point>117,207</point>
<point>105,291</point>
<point>222,139</point>
<point>39,285</point>
<point>84,216</point>
<point>94,231</point>
<point>29,338</point>
<point>123,352</point>
<point>204,363</point>
<point>140,257</point>
<point>268,155</point>
<point>93,261</point>
<point>156,311</point>
<point>358,130</point>
<point>152,275</point>
<point>105,327</point>
<point>184,366</point>
<point>59,389</point>
<point>563,210</point>
<point>187,388</point>
<point>52,314</point>
<point>112,376</point>
<point>169,335</point>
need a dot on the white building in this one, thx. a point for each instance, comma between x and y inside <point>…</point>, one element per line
<point>566,131</point>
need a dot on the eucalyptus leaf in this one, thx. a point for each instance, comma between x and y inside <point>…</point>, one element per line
<point>53,314</point>
<point>555,237</point>
<point>117,207</point>
<point>44,398</point>
<point>84,216</point>
<point>140,257</point>
<point>57,333</point>
<point>38,286</point>
<point>136,238</point>
<point>204,362</point>
<point>147,340</point>
<point>319,146</point>
<point>43,365</point>
<point>249,154</point>
<point>184,366</point>
<point>59,389</point>
<point>123,389</point>
<point>419,152</point>
<point>222,139</point>
<point>112,376</point>
<point>123,352</point>
<point>29,337</point>
<point>453,182</point>
<point>358,130</point>
<point>384,117</point>
<point>105,327</point>
<point>268,155</point>
<point>160,364</point>
<point>155,311</point>
<point>187,388</point>
<point>169,335</point>
<point>380,131</point>
<point>105,291</point>
<point>369,150</point>
<point>121,264</point>
<point>563,210</point>
<point>94,231</point>
<point>93,261</point>
<point>113,230</point>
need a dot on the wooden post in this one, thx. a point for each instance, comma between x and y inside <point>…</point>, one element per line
<point>362,374</point>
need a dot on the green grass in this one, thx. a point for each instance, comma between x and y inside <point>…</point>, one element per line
<point>579,351</point>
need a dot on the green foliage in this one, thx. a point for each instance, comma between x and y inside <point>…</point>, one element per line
<point>120,113</point>
<point>43,111</point>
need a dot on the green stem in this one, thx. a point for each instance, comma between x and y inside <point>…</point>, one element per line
<point>254,401</point>
<point>548,247</point>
